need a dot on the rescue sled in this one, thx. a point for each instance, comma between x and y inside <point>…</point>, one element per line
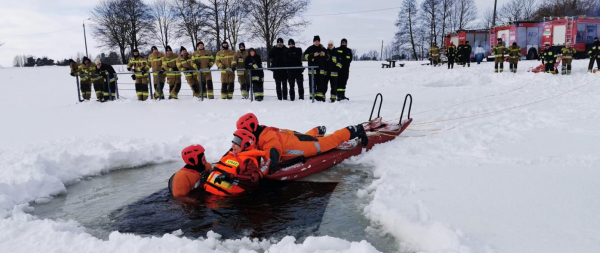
<point>377,130</point>
<point>541,68</point>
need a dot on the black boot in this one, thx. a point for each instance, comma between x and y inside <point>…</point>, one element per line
<point>322,130</point>
<point>358,131</point>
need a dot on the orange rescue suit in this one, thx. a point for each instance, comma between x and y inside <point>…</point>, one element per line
<point>242,172</point>
<point>185,180</point>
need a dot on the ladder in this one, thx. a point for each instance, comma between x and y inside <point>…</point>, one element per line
<point>570,28</point>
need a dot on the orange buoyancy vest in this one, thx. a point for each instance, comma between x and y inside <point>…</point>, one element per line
<point>184,181</point>
<point>234,166</point>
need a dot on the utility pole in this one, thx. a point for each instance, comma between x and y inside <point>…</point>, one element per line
<point>85,38</point>
<point>494,18</point>
<point>381,57</point>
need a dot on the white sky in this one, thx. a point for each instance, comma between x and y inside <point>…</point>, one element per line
<point>20,19</point>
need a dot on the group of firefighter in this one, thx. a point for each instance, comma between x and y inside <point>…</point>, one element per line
<point>327,66</point>
<point>549,57</point>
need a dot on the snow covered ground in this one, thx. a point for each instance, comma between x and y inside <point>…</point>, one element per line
<point>492,163</point>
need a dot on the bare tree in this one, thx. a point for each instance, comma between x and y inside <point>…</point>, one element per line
<point>429,15</point>
<point>557,8</point>
<point>445,15</point>
<point>140,22</point>
<point>234,19</point>
<point>191,19</point>
<point>463,13</point>
<point>163,23</point>
<point>486,20</point>
<point>406,23</point>
<point>273,18</point>
<point>111,29</point>
<point>214,13</point>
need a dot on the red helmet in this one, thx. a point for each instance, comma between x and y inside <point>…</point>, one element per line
<point>192,155</point>
<point>244,139</point>
<point>248,121</point>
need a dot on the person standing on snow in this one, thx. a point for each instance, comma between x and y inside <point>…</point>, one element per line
<point>333,67</point>
<point>277,59</point>
<point>108,73</point>
<point>186,63</point>
<point>434,53</point>
<point>239,170</point>
<point>193,174</point>
<point>499,50</point>
<point>567,57</point>
<point>345,57</point>
<point>459,53</point>
<point>169,63</point>
<point>139,66</point>
<point>548,59</point>
<point>85,78</point>
<point>253,62</point>
<point>280,145</point>
<point>465,54</point>
<point>451,53</point>
<point>224,61</point>
<point>594,54</point>
<point>84,81</point>
<point>514,53</point>
<point>293,58</point>
<point>158,79</point>
<point>316,55</point>
<point>479,53</point>
<point>204,61</point>
<point>242,74</point>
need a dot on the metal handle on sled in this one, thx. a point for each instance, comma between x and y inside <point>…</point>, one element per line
<point>409,108</point>
<point>375,102</point>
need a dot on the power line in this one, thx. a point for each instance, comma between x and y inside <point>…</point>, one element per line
<point>31,34</point>
<point>343,13</point>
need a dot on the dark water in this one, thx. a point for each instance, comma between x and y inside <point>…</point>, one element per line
<point>277,209</point>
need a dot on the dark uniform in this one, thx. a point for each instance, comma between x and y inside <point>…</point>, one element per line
<point>451,54</point>
<point>465,54</point>
<point>293,58</point>
<point>514,53</point>
<point>459,50</point>
<point>108,73</point>
<point>333,67</point>
<point>277,59</point>
<point>548,59</point>
<point>320,61</point>
<point>594,54</point>
<point>499,50</point>
<point>242,74</point>
<point>345,57</point>
<point>257,76</point>
<point>567,58</point>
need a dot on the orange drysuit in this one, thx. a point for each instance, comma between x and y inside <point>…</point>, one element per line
<point>235,174</point>
<point>187,179</point>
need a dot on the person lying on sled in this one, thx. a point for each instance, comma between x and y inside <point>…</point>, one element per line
<point>239,170</point>
<point>193,174</point>
<point>281,145</point>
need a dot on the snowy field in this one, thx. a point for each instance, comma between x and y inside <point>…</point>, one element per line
<point>492,162</point>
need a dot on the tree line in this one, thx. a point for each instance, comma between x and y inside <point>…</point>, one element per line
<point>420,26</point>
<point>129,24</point>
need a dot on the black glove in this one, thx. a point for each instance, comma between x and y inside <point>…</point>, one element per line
<point>133,77</point>
<point>233,69</point>
<point>222,177</point>
<point>161,72</point>
<point>72,74</point>
<point>128,69</point>
<point>143,71</point>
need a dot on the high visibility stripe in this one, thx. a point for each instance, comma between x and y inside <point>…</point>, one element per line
<point>341,89</point>
<point>318,146</point>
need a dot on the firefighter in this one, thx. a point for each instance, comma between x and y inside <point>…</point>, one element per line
<point>333,67</point>
<point>346,56</point>
<point>316,55</point>
<point>253,62</point>
<point>84,81</point>
<point>193,174</point>
<point>451,54</point>
<point>499,50</point>
<point>85,78</point>
<point>277,59</point>
<point>97,81</point>
<point>139,66</point>
<point>224,63</point>
<point>108,73</point>
<point>238,171</point>
<point>514,53</point>
<point>465,54</point>
<point>204,60</point>
<point>459,51</point>
<point>281,144</point>
<point>293,58</point>
<point>242,74</point>
<point>186,63</point>
<point>548,59</point>
<point>434,53</point>
<point>169,64</point>
<point>594,54</point>
<point>156,61</point>
<point>567,57</point>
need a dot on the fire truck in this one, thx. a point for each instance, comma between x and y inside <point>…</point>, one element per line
<point>474,37</point>
<point>578,31</point>
<point>527,34</point>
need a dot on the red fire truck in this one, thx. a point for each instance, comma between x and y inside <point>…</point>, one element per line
<point>578,31</point>
<point>527,34</point>
<point>474,37</point>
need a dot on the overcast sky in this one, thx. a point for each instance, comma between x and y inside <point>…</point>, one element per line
<point>25,26</point>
